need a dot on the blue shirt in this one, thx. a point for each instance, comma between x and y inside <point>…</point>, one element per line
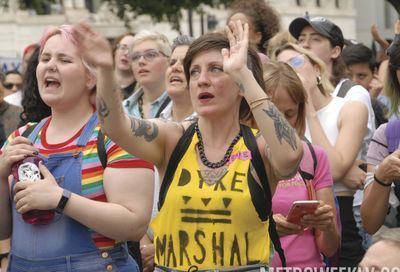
<point>131,104</point>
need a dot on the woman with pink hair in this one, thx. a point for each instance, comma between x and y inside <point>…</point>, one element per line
<point>85,177</point>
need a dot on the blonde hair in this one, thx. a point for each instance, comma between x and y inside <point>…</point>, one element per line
<point>279,74</point>
<point>161,40</point>
<point>278,40</point>
<point>326,86</point>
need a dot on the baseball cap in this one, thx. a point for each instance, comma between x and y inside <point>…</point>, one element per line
<point>320,24</point>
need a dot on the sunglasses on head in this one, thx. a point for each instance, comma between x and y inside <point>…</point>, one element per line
<point>297,61</point>
<point>9,85</point>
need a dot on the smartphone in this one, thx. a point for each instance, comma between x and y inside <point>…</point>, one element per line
<point>300,208</point>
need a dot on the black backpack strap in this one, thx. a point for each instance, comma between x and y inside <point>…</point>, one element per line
<point>162,107</point>
<point>101,149</point>
<point>345,87</point>
<point>306,175</point>
<point>258,164</point>
<point>176,156</point>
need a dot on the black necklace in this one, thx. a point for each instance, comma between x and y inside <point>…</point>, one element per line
<point>203,157</point>
<point>140,104</point>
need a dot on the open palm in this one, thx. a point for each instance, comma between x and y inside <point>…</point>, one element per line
<point>95,49</point>
<point>235,58</point>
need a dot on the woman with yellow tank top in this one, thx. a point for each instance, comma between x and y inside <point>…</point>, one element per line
<point>218,176</point>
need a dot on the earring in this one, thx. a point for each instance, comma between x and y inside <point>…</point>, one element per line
<point>319,83</point>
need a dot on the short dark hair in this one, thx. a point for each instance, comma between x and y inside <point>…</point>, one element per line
<point>217,41</point>
<point>358,53</point>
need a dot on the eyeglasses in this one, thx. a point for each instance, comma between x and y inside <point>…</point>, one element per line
<point>297,61</point>
<point>9,85</point>
<point>122,47</point>
<point>148,55</point>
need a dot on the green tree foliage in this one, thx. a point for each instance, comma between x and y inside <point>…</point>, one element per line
<point>40,6</point>
<point>162,10</point>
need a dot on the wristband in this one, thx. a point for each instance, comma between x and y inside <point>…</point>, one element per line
<point>63,201</point>
<point>380,182</point>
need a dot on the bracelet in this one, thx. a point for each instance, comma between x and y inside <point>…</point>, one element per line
<point>380,182</point>
<point>257,102</point>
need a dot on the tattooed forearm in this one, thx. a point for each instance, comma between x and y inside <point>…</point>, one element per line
<point>282,129</point>
<point>143,128</point>
<point>102,109</point>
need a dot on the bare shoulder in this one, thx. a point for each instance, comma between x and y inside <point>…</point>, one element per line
<point>173,132</point>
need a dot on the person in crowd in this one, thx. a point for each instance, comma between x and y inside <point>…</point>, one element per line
<point>325,39</point>
<point>12,84</point>
<point>78,181</point>
<point>9,114</point>
<point>123,64</point>
<point>149,54</point>
<point>338,126</point>
<point>34,108</point>
<point>263,20</point>
<point>28,52</point>
<point>205,165</point>
<point>384,253</point>
<point>362,70</point>
<point>278,40</point>
<point>304,244</point>
<point>391,83</point>
<point>362,67</point>
<point>382,189</point>
<point>180,108</point>
<point>381,194</point>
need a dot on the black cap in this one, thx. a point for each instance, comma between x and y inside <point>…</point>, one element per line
<point>320,24</point>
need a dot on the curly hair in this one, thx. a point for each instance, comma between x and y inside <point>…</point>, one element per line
<point>264,18</point>
<point>34,107</point>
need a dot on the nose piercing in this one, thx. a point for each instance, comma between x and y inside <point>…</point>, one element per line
<point>53,69</point>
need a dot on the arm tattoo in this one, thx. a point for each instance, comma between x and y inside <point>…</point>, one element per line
<point>282,129</point>
<point>147,129</point>
<point>103,110</point>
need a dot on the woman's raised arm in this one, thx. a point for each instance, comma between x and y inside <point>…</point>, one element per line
<point>143,138</point>
<point>282,146</point>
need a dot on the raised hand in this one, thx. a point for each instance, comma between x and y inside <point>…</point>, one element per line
<point>95,49</point>
<point>43,194</point>
<point>235,58</point>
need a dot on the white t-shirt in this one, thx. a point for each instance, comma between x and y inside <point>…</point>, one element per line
<point>359,93</point>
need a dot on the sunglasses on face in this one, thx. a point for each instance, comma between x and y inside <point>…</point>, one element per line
<point>297,61</point>
<point>9,85</point>
<point>148,55</point>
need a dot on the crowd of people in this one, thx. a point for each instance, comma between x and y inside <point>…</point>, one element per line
<point>197,155</point>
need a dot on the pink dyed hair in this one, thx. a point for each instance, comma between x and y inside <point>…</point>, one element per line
<point>67,33</point>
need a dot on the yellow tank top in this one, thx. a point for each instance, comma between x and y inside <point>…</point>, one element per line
<point>211,226</point>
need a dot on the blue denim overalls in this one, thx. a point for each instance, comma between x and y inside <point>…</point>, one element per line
<point>64,244</point>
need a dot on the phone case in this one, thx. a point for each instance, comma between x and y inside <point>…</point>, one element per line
<point>301,208</point>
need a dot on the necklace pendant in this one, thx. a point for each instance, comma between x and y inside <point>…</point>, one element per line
<point>212,176</point>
